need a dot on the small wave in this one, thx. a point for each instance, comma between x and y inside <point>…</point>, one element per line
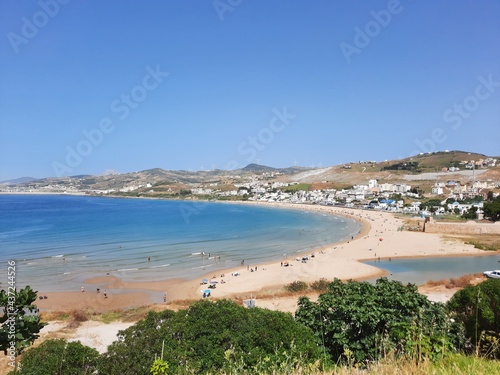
<point>128,269</point>
<point>163,265</point>
<point>66,273</point>
<point>58,256</point>
<point>195,253</point>
<point>194,268</point>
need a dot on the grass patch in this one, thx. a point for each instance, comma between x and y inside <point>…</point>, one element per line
<point>111,316</point>
<point>297,187</point>
<point>489,242</point>
<point>482,246</point>
<point>457,282</point>
<point>453,364</point>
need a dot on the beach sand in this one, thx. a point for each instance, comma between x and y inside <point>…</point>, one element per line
<point>380,237</point>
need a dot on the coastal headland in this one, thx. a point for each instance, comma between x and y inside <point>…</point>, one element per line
<point>381,237</point>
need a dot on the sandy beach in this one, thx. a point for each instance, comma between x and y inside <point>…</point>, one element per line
<point>380,237</point>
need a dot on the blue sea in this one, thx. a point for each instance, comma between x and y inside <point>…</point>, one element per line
<point>58,241</point>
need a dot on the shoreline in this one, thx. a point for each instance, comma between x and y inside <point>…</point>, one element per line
<point>336,260</point>
<point>174,288</point>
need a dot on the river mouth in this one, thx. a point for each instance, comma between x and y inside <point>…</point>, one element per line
<point>421,270</point>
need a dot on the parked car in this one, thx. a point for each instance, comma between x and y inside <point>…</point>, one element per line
<point>492,274</point>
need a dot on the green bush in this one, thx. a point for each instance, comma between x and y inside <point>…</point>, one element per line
<point>58,357</point>
<point>360,322</point>
<point>478,308</point>
<point>23,315</point>
<point>212,337</point>
<point>296,286</point>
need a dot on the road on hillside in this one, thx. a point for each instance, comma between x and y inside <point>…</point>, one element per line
<point>435,175</point>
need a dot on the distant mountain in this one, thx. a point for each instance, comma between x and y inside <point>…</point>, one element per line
<point>258,168</point>
<point>82,176</point>
<point>161,181</point>
<point>21,180</point>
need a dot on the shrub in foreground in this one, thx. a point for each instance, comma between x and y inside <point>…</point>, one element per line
<point>478,308</point>
<point>212,337</point>
<point>359,322</point>
<point>59,357</point>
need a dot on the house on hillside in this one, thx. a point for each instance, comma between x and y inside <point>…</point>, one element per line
<point>437,190</point>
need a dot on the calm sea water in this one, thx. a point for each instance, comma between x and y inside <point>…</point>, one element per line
<point>58,241</point>
<point>420,270</point>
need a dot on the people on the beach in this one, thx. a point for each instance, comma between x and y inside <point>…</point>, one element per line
<point>82,289</point>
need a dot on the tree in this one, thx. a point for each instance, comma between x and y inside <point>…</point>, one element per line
<point>20,321</point>
<point>58,357</point>
<point>477,307</point>
<point>470,214</point>
<point>359,321</point>
<point>490,196</point>
<point>492,210</point>
<point>211,337</point>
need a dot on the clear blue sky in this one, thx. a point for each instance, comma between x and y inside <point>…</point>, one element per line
<point>349,80</point>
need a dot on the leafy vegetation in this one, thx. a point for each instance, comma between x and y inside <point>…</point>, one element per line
<point>212,336</point>
<point>19,308</point>
<point>297,187</point>
<point>411,166</point>
<point>358,322</point>
<point>477,308</point>
<point>58,357</point>
<point>492,211</point>
<point>470,214</point>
